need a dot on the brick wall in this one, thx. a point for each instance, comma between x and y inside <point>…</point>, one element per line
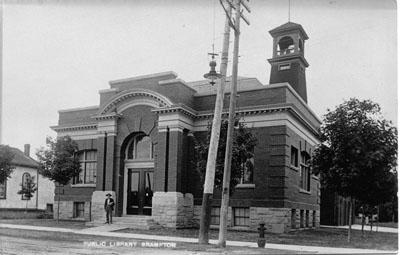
<point>77,117</point>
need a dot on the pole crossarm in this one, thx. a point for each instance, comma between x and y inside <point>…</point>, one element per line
<point>232,21</point>
<point>228,15</point>
<point>244,3</point>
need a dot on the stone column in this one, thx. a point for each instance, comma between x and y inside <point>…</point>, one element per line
<point>98,199</point>
<point>173,209</point>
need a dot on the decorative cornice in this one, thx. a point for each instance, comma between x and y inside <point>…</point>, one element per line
<point>247,112</point>
<point>74,127</point>
<point>110,116</point>
<point>115,100</point>
<point>177,109</point>
<point>264,110</point>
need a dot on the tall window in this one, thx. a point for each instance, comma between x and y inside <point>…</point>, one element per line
<point>3,188</point>
<point>88,160</point>
<point>140,147</point>
<point>305,171</point>
<point>294,157</point>
<point>247,171</point>
<point>25,183</point>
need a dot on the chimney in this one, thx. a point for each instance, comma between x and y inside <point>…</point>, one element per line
<point>27,149</point>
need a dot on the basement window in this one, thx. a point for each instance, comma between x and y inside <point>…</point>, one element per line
<point>215,215</point>
<point>241,216</point>
<point>284,67</point>
<point>79,209</point>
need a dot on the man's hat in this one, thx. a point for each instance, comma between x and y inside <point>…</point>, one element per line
<point>108,195</point>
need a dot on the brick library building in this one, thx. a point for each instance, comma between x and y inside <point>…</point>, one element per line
<point>138,145</point>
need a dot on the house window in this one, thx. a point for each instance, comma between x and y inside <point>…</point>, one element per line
<point>88,161</point>
<point>49,208</point>
<point>25,182</point>
<point>307,218</point>
<point>215,215</point>
<point>79,209</point>
<point>305,171</point>
<point>3,188</point>
<point>241,216</point>
<point>294,157</point>
<point>284,67</point>
<point>140,147</point>
<point>247,172</point>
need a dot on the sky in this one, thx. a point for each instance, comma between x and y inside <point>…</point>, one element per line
<point>58,54</point>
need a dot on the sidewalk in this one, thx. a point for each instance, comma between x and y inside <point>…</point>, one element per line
<point>366,228</point>
<point>105,231</point>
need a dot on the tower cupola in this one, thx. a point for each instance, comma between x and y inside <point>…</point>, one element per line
<point>288,63</point>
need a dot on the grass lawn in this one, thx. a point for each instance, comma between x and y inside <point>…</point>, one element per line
<point>386,224</point>
<point>46,223</point>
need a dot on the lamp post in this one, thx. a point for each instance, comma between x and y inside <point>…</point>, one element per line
<point>212,76</point>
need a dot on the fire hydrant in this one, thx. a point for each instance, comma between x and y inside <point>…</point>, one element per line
<point>261,238</point>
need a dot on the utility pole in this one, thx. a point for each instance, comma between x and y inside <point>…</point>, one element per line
<point>229,140</point>
<point>215,132</point>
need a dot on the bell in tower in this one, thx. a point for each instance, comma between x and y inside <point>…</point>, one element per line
<point>288,63</point>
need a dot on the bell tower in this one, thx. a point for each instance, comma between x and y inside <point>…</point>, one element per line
<point>288,63</point>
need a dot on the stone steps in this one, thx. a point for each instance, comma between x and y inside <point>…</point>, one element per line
<point>131,222</point>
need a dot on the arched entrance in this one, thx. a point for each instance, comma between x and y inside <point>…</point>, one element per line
<point>138,174</point>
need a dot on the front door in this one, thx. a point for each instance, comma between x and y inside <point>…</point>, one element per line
<point>140,191</point>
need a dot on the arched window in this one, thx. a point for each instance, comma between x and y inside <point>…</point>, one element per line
<point>88,160</point>
<point>286,45</point>
<point>25,181</point>
<point>305,171</point>
<point>139,147</point>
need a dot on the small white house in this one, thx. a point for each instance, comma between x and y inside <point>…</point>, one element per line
<point>25,167</point>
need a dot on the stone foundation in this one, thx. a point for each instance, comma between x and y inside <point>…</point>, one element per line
<point>98,198</point>
<point>67,211</point>
<point>173,209</point>
<point>276,220</point>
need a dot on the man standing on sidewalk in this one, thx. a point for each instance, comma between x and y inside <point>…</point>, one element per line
<point>109,207</point>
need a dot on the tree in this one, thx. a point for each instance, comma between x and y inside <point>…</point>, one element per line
<point>58,162</point>
<point>6,166</point>
<point>358,153</point>
<point>28,188</point>
<point>242,151</point>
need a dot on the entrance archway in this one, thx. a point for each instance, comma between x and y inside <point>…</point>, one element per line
<point>138,174</point>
